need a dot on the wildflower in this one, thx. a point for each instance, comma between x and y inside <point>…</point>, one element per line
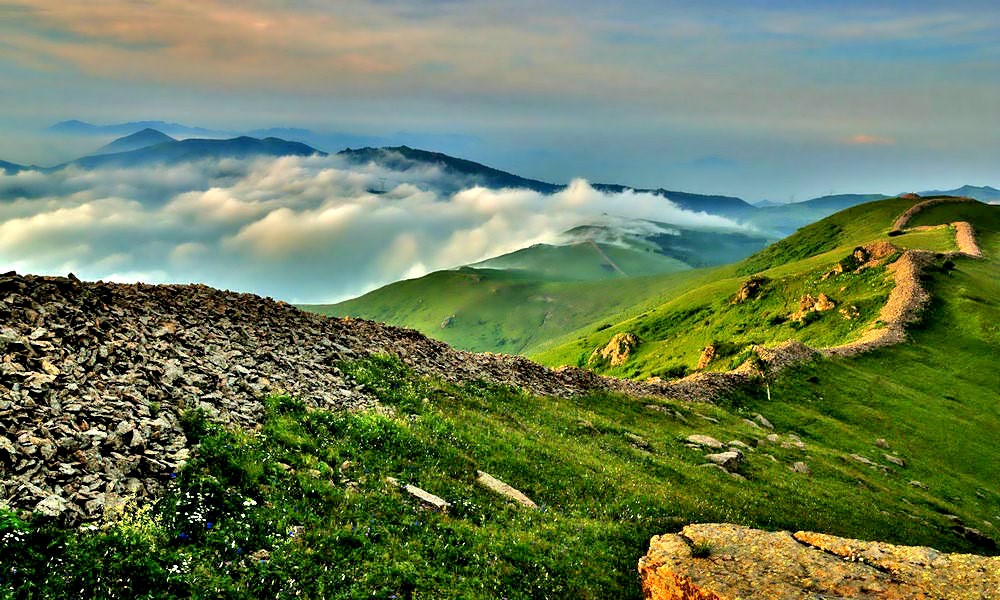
<point>208,525</point>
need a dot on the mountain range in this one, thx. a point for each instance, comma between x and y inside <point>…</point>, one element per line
<point>147,142</point>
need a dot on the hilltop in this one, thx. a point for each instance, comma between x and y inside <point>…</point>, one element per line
<point>250,477</point>
<point>176,151</point>
<point>714,326</point>
<point>467,173</point>
<point>519,302</point>
<point>140,139</point>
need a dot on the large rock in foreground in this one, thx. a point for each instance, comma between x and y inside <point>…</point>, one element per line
<point>730,562</point>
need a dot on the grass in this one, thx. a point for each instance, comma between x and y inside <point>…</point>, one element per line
<point>299,506</point>
<point>521,302</point>
<point>675,332</point>
<point>507,311</point>
<point>851,227</point>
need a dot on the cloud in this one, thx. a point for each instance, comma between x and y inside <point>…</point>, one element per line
<point>299,228</point>
<point>863,139</point>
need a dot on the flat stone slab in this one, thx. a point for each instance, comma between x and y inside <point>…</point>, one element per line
<point>493,484</point>
<point>427,498</point>
<point>722,561</point>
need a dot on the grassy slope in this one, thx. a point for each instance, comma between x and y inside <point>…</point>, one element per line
<point>583,261</point>
<point>334,529</point>
<point>522,301</point>
<point>506,311</point>
<point>674,333</point>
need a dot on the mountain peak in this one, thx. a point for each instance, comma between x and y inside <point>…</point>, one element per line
<point>140,139</point>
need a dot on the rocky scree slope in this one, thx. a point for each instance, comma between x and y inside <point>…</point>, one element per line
<point>94,378</point>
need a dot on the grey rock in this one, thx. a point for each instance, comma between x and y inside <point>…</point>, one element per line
<point>800,467</point>
<point>729,460</point>
<point>899,462</point>
<point>704,440</point>
<point>52,506</point>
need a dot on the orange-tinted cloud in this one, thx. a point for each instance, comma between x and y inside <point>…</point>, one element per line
<point>220,43</point>
<point>863,139</point>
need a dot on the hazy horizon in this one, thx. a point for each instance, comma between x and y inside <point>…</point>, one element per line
<point>778,101</point>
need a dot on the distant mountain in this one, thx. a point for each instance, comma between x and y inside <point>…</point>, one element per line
<point>785,218</point>
<point>836,202</point>
<point>10,168</point>
<point>728,206</point>
<point>75,127</point>
<point>140,139</point>
<point>466,172</point>
<point>983,193</point>
<point>198,149</point>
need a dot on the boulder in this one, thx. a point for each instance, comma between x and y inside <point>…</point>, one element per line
<point>759,418</point>
<point>750,289</point>
<point>707,356</point>
<point>899,462</point>
<point>728,460</point>
<point>800,467</point>
<point>732,562</point>
<point>704,440</point>
<point>495,485</point>
<point>618,349</point>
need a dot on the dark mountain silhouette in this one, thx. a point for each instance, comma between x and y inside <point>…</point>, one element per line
<point>10,168</point>
<point>198,149</point>
<point>76,127</point>
<point>467,172</point>
<point>983,193</point>
<point>140,139</point>
<point>404,158</point>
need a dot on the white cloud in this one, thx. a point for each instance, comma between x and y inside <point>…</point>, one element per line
<point>303,229</point>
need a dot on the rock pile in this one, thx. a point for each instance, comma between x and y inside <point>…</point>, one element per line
<point>750,289</point>
<point>94,376</point>
<point>618,349</point>
<point>716,561</point>
<point>809,304</point>
<point>965,239</point>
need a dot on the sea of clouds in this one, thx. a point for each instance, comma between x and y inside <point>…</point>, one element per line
<point>304,229</point>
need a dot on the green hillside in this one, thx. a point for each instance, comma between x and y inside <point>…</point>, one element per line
<point>674,334</point>
<point>301,506</point>
<point>520,302</point>
<point>585,261</point>
<point>508,310</point>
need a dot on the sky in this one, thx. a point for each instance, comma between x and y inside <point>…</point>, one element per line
<point>779,100</point>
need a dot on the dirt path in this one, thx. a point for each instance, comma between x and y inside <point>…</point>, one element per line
<point>965,238</point>
<point>903,308</point>
<point>606,257</point>
<point>903,219</point>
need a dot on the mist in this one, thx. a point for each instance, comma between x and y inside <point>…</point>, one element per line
<point>303,229</point>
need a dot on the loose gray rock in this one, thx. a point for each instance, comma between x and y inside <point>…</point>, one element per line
<point>727,460</point>
<point>800,467</point>
<point>704,440</point>
<point>899,462</point>
<point>52,506</point>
